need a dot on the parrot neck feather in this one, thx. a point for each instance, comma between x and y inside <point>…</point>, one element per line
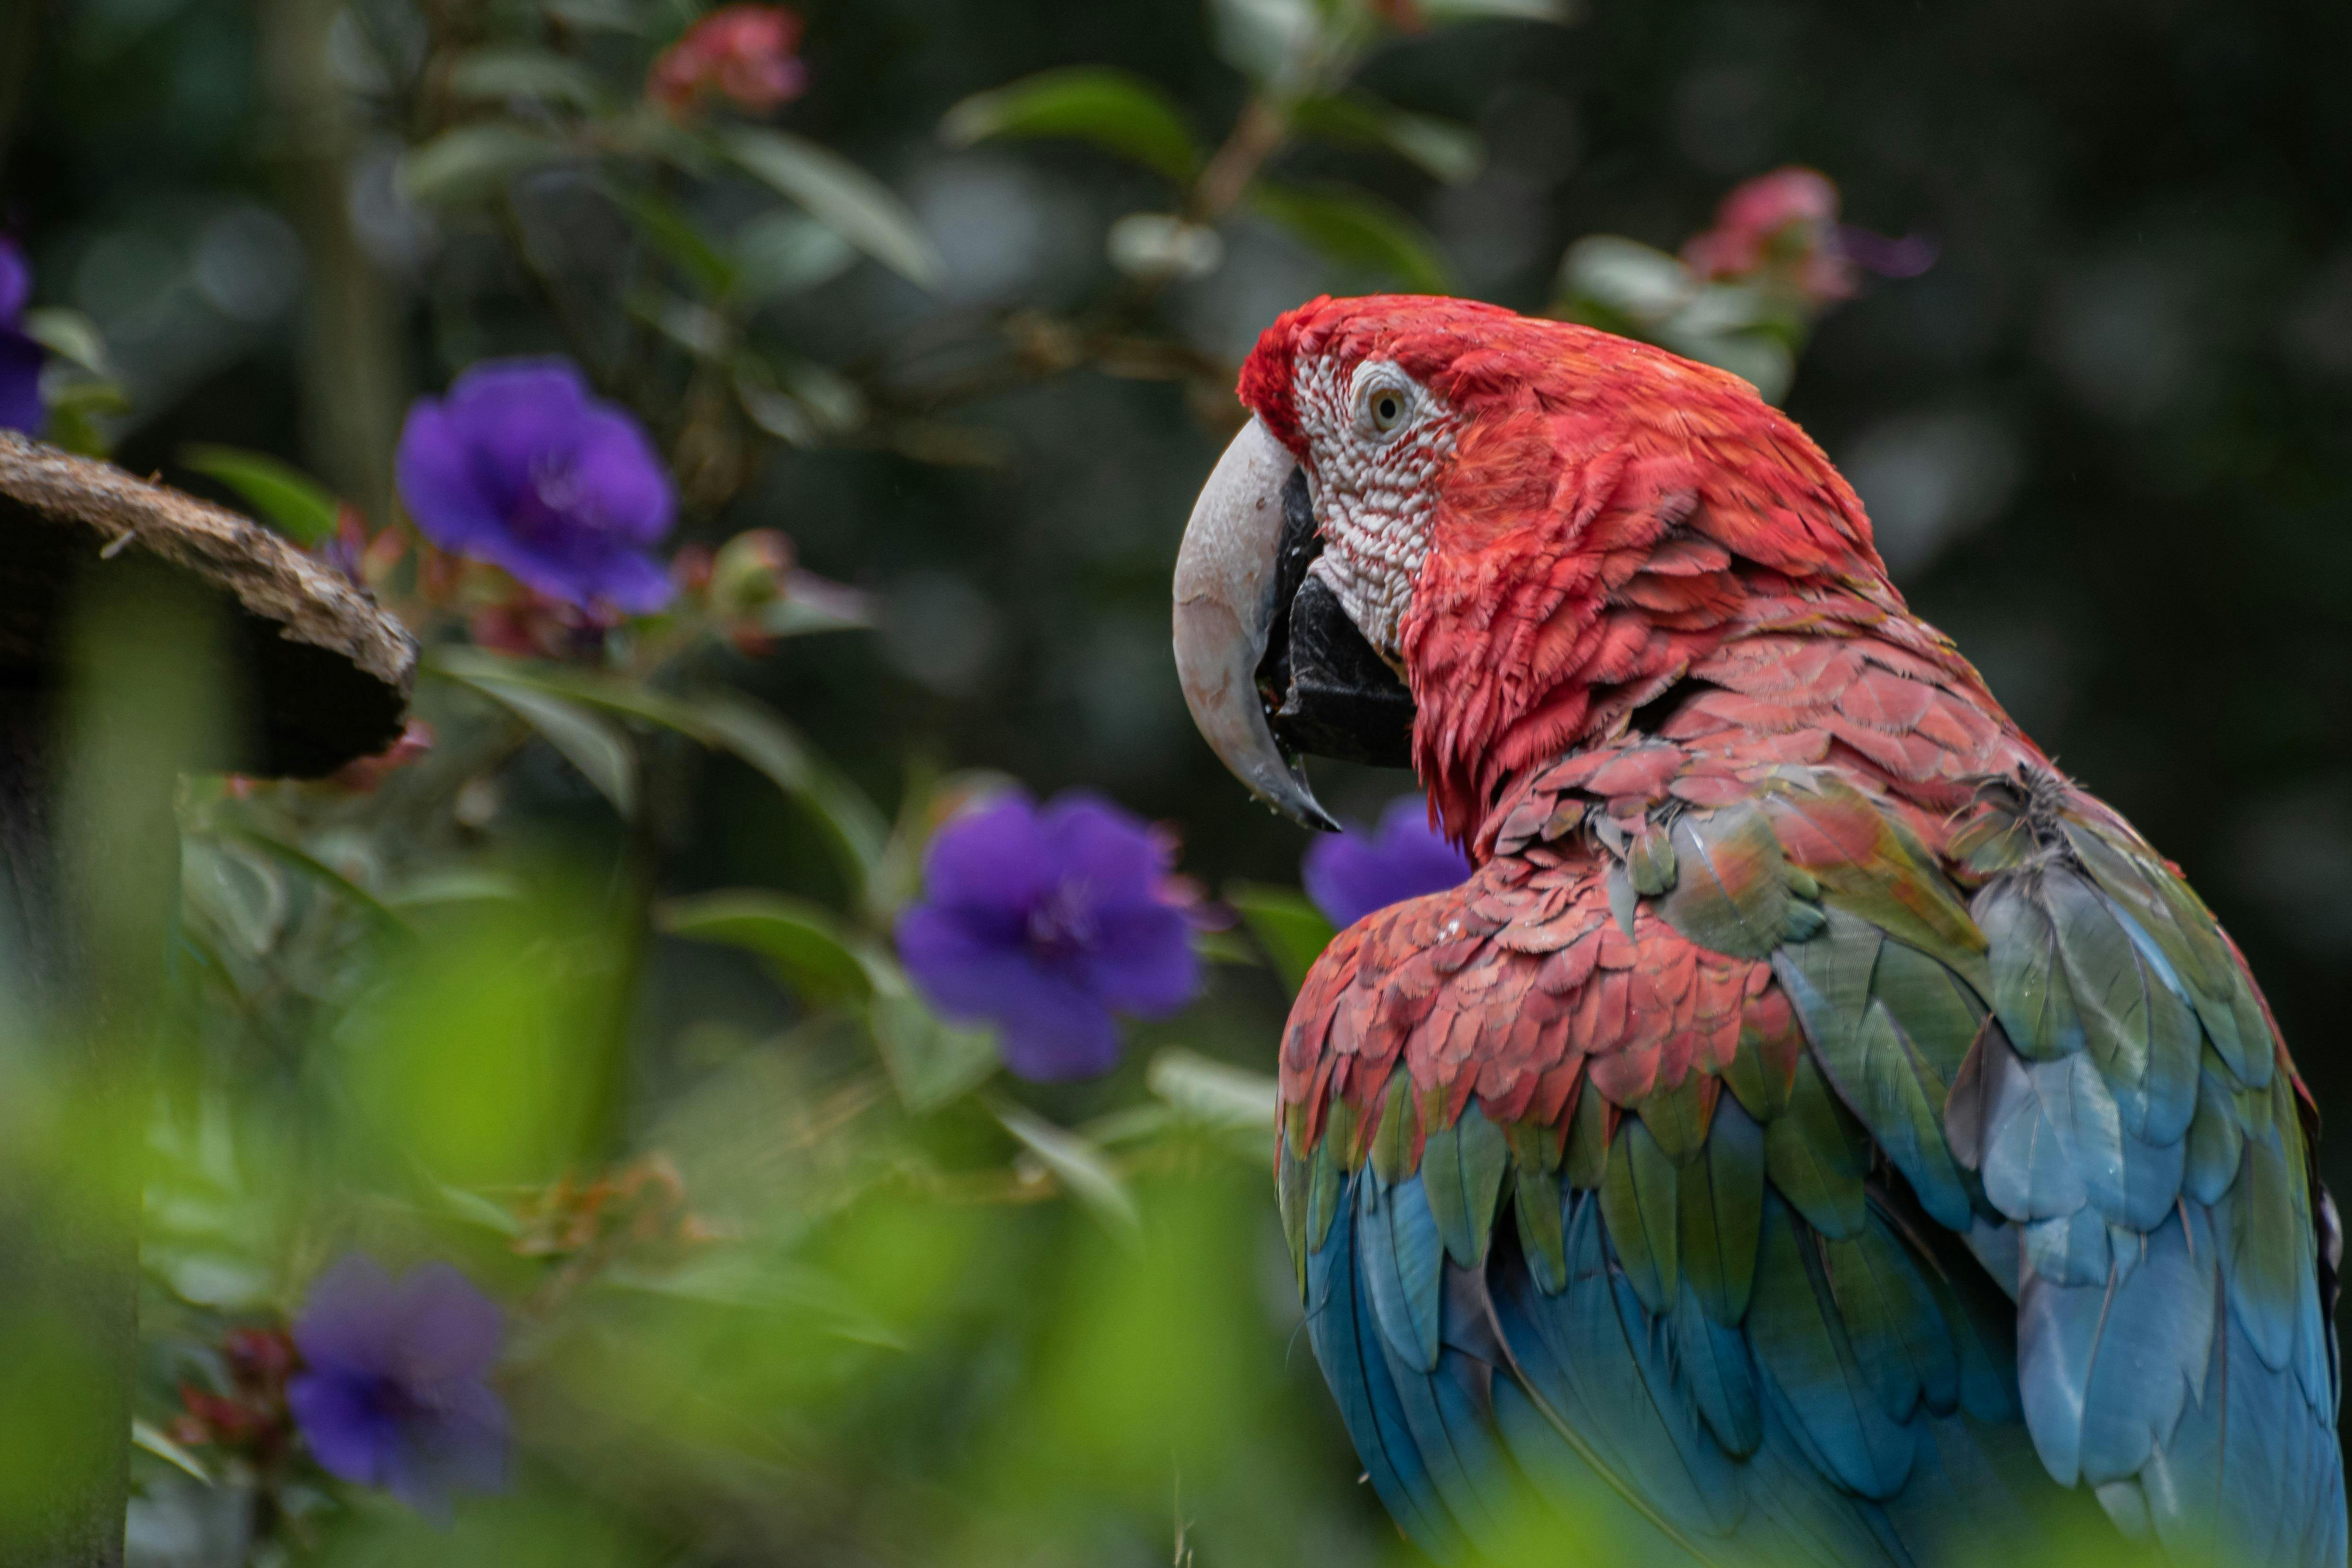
<point>1593,548</point>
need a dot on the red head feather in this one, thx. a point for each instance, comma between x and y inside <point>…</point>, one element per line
<point>1610,513</point>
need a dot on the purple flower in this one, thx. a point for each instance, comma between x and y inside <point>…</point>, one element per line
<point>20,356</point>
<point>520,466</point>
<point>1351,874</point>
<point>391,1392</point>
<point>1044,921</point>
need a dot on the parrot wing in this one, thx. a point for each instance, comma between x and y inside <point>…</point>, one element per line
<point>1724,1165</point>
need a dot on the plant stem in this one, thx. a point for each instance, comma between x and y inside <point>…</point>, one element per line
<point>1262,129</point>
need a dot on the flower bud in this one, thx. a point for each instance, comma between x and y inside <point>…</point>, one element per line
<point>748,572</point>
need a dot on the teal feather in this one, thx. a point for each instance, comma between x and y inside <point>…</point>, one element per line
<point>1462,1170</point>
<point>1637,1199</point>
<point>1719,1211</point>
<point>2216,1137</point>
<point>1802,1348</point>
<point>1817,1154</point>
<point>1866,1057</point>
<point>1402,1252</point>
<point>1714,1363</point>
<point>1348,1346</point>
<point>1892,1321</point>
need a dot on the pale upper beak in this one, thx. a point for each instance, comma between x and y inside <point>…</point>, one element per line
<point>1225,608</point>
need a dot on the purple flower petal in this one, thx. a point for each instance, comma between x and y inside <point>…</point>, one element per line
<point>1143,963</point>
<point>1052,1028</point>
<point>460,1446</point>
<point>516,414</point>
<point>957,959</point>
<point>616,464</point>
<point>1044,921</point>
<point>520,466</point>
<point>435,469</point>
<point>16,281</point>
<point>1352,874</point>
<point>447,1328</point>
<point>1103,849</point>
<point>20,384</point>
<point>637,584</point>
<point>392,1394</point>
<point>994,859</point>
<point>351,1318</point>
<point>350,1432</point>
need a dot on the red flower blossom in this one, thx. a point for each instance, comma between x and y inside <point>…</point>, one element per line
<point>742,53</point>
<point>251,1417</point>
<point>362,776</point>
<point>1785,223</point>
<point>1788,216</point>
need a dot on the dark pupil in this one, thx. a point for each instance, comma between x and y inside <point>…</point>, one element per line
<point>1385,409</point>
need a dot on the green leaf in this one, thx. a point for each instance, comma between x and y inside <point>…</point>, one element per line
<point>601,751</point>
<point>455,885</point>
<point>812,605</point>
<point>1357,232</point>
<point>468,665</point>
<point>1114,110</point>
<point>473,162</point>
<point>839,193</point>
<point>1293,931</point>
<point>496,73</point>
<point>474,1208</point>
<point>931,1060</point>
<point>1161,247</point>
<point>692,326</point>
<point>149,1440</point>
<point>823,402</point>
<point>856,830</point>
<point>288,500</point>
<point>1078,1165</point>
<point>1624,280</point>
<point>69,335</point>
<point>1228,1099</point>
<point>723,720</point>
<point>783,253</point>
<point>1268,41</point>
<point>1439,12</point>
<point>740,1278</point>
<point>597,16</point>
<point>802,942</point>
<point>240,895</point>
<point>326,876</point>
<point>673,235</point>
<point>76,407</point>
<point>1445,149</point>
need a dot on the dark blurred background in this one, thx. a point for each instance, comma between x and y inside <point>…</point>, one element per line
<point>2106,438</point>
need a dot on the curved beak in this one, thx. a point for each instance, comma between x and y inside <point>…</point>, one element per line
<point>1226,604</point>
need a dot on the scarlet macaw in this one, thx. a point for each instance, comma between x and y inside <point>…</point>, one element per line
<point>1820,1130</point>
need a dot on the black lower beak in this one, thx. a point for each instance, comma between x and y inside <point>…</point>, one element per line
<point>1326,691</point>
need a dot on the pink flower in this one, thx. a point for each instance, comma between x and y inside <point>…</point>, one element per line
<point>362,776</point>
<point>1784,224</point>
<point>742,53</point>
<point>1788,216</point>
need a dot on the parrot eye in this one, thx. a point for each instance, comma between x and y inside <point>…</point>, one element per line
<point>1383,405</point>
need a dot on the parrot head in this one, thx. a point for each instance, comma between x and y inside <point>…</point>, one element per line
<point>1469,540</point>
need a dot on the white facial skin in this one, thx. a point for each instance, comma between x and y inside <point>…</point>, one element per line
<point>1374,440</point>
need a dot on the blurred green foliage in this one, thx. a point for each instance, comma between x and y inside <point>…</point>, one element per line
<point>596,997</point>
